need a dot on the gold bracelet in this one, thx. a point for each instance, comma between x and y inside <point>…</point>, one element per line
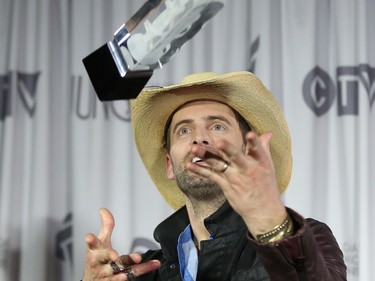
<point>280,232</point>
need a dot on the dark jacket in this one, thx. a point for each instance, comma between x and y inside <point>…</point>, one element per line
<point>312,253</point>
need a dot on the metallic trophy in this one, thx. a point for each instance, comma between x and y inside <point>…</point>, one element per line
<point>121,68</point>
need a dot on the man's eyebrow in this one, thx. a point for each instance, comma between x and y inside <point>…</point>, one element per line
<point>218,117</point>
<point>183,121</point>
<point>208,118</point>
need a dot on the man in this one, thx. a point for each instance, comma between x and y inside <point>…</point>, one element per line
<point>218,149</point>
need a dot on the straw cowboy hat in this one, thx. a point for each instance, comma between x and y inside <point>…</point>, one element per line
<point>242,91</point>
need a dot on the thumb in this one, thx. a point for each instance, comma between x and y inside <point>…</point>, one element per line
<point>108,223</point>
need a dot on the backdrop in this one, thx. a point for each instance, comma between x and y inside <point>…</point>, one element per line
<point>64,154</point>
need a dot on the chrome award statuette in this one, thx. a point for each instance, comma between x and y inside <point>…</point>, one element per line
<point>121,68</point>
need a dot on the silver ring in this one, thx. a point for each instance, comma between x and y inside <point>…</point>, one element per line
<point>116,268</point>
<point>224,168</point>
<point>129,273</point>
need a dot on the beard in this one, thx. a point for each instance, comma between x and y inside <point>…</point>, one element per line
<point>196,187</point>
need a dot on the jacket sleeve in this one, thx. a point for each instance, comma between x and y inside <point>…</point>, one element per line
<point>312,253</point>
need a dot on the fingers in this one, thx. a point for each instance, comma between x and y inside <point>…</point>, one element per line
<point>256,146</point>
<point>119,270</point>
<point>215,159</point>
<point>101,257</point>
<point>103,240</point>
<point>127,260</point>
<point>143,268</point>
<point>131,266</point>
<point>108,223</point>
<point>92,242</point>
<point>99,250</point>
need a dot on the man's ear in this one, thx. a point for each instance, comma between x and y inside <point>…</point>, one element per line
<point>169,167</point>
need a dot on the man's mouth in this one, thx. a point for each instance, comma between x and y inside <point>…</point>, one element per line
<point>196,159</point>
<point>199,161</point>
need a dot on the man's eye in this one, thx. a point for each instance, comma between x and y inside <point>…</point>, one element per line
<point>218,127</point>
<point>183,131</point>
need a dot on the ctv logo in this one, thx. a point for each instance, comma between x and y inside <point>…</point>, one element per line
<point>319,90</point>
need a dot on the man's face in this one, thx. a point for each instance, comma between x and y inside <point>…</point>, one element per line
<point>200,123</point>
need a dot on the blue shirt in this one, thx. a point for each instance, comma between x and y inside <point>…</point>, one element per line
<point>187,255</point>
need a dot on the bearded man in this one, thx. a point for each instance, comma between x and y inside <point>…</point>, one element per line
<point>218,149</point>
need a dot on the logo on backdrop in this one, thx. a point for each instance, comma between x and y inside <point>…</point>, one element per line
<point>320,90</point>
<point>22,87</point>
<point>25,84</point>
<point>254,47</point>
<point>4,96</point>
<point>84,105</point>
<point>64,240</point>
<point>3,256</point>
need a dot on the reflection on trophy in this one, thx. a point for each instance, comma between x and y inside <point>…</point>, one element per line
<point>122,67</point>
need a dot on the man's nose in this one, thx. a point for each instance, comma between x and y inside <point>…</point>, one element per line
<point>201,138</point>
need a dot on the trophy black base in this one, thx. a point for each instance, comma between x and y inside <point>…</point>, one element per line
<point>106,77</point>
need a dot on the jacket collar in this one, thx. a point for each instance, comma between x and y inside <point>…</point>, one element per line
<point>223,222</point>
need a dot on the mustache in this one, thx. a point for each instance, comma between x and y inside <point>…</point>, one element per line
<point>210,152</point>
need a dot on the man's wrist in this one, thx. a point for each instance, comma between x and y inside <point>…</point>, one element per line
<point>278,233</point>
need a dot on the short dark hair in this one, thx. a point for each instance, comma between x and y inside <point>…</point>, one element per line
<point>244,128</point>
